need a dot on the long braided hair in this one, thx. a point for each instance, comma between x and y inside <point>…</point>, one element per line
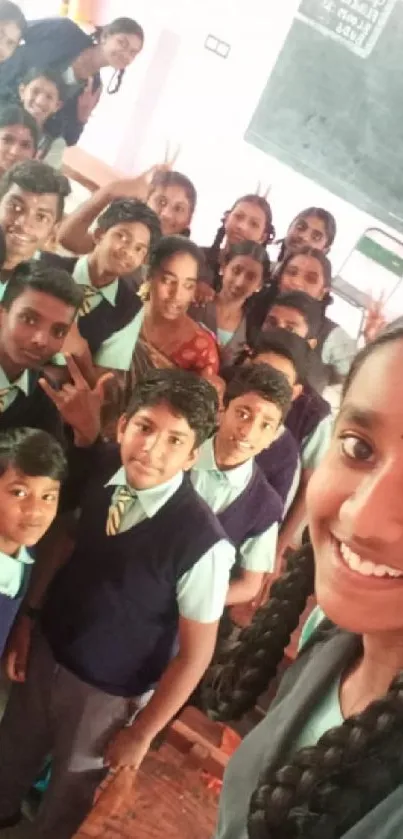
<point>120,26</point>
<point>321,792</point>
<point>213,256</point>
<point>328,220</point>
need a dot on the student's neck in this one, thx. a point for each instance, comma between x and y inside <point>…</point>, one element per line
<point>98,277</point>
<point>225,302</point>
<point>12,370</point>
<point>221,458</point>
<point>7,546</point>
<point>89,62</point>
<point>374,673</point>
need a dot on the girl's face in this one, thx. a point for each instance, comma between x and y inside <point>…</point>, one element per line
<point>173,286</point>
<point>242,277</point>
<point>10,36</point>
<point>310,231</point>
<point>246,222</point>
<point>40,98</point>
<point>120,50</point>
<point>172,207</point>
<point>355,502</point>
<point>16,145</point>
<point>303,273</point>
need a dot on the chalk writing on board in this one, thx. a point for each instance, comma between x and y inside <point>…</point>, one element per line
<point>355,23</point>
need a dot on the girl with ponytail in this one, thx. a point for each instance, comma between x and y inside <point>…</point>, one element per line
<point>327,761</point>
<point>249,219</point>
<point>59,44</point>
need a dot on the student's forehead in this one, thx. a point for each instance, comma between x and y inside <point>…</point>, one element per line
<point>13,475</point>
<point>132,228</point>
<point>46,200</point>
<point>256,402</point>
<point>174,192</point>
<point>287,312</point>
<point>43,304</point>
<point>378,384</point>
<point>163,414</point>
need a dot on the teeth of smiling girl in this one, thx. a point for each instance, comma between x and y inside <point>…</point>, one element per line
<point>364,566</point>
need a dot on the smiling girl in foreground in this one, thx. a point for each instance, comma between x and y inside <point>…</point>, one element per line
<point>327,761</point>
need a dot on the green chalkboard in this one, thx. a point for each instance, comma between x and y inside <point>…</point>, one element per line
<point>332,108</point>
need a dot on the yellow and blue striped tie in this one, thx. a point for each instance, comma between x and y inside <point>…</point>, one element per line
<point>121,501</point>
<point>89,294</point>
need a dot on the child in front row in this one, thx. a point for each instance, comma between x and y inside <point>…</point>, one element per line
<point>226,476</point>
<point>150,563</point>
<point>32,466</point>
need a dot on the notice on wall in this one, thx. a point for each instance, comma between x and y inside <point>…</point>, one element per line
<point>355,23</point>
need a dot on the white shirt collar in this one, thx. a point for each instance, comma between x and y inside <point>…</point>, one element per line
<point>22,383</point>
<point>236,477</point>
<point>153,499</point>
<point>21,556</point>
<point>81,275</point>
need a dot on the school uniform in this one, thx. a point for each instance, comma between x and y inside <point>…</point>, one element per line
<point>306,705</point>
<point>106,634</point>
<point>24,403</point>
<point>14,578</point>
<point>280,464</point>
<point>230,343</point>
<point>248,508</point>
<point>310,422</point>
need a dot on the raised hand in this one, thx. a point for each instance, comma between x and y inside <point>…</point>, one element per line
<point>375,319</point>
<point>139,187</point>
<point>78,404</point>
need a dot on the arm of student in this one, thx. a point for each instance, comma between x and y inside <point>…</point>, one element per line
<point>51,554</point>
<point>75,234</point>
<point>338,352</point>
<point>201,596</point>
<point>258,555</point>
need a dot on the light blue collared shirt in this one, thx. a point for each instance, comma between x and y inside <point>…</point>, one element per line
<point>12,571</point>
<point>117,351</point>
<point>316,444</point>
<point>202,591</point>
<point>20,384</point>
<point>81,275</point>
<point>221,488</point>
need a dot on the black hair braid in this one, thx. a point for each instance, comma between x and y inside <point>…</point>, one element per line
<point>240,674</point>
<point>325,790</point>
<point>283,250</point>
<point>115,82</point>
<point>214,251</point>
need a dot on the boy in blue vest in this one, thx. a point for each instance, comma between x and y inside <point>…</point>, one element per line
<point>151,563</point>
<point>32,466</point>
<point>226,476</point>
<point>124,236</point>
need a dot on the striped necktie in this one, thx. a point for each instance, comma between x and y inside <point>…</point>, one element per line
<point>4,391</point>
<point>121,501</point>
<point>89,294</point>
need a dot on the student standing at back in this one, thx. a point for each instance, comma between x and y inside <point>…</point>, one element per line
<point>249,219</point>
<point>19,136</point>
<point>32,196</point>
<point>12,29</point>
<point>43,93</point>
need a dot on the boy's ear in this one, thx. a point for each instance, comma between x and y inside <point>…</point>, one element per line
<point>312,343</point>
<point>296,391</point>
<point>98,235</point>
<point>121,428</point>
<point>192,459</point>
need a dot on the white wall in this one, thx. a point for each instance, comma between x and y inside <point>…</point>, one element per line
<point>178,91</point>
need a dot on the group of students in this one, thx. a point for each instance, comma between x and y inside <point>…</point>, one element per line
<point>161,418</point>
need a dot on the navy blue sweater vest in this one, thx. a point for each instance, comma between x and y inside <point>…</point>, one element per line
<point>9,608</point>
<point>111,614</point>
<point>105,319</point>
<point>306,413</point>
<point>254,511</point>
<point>35,410</point>
<point>279,463</point>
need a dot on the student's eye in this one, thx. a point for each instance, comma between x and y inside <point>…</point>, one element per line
<point>41,217</point>
<point>242,414</point>
<point>19,492</point>
<point>300,225</point>
<point>29,320</point>
<point>355,448</point>
<point>143,426</point>
<point>312,279</point>
<point>60,332</point>
<point>291,270</point>
<point>317,236</point>
<point>51,497</point>
<point>161,203</point>
<point>190,286</point>
<point>175,441</point>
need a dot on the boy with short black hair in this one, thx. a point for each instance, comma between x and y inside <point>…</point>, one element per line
<point>296,312</point>
<point>38,308</point>
<point>150,563</point>
<point>32,467</point>
<point>124,237</point>
<point>32,196</point>
<point>226,476</point>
